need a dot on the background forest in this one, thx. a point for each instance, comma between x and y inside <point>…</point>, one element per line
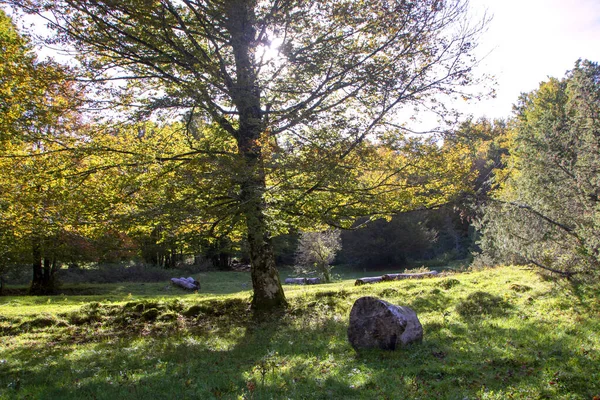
<point>81,194</point>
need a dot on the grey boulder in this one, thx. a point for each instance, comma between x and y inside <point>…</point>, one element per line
<point>375,323</point>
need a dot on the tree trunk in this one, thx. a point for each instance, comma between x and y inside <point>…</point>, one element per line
<point>268,292</point>
<point>43,270</point>
<point>326,273</point>
<point>224,263</point>
<point>245,92</point>
<point>41,282</point>
<point>395,277</point>
<point>47,269</point>
<point>368,279</point>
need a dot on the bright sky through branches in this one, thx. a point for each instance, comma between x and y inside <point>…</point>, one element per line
<point>529,40</point>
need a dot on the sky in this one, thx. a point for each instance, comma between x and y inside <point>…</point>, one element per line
<point>529,40</point>
<point>526,42</point>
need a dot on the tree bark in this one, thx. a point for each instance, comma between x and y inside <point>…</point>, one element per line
<point>47,269</point>
<point>37,281</point>
<point>368,279</point>
<point>268,292</point>
<point>43,270</point>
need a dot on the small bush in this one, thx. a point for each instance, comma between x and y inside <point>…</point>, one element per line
<point>316,251</point>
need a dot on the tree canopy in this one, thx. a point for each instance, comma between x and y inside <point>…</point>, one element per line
<point>290,110</point>
<point>36,204</point>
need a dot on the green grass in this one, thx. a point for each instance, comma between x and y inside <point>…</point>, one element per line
<point>493,334</point>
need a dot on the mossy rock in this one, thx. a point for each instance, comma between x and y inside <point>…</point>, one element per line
<point>194,311</point>
<point>142,306</point>
<point>41,322</point>
<point>125,319</point>
<point>139,308</point>
<point>133,306</point>
<point>90,308</point>
<point>176,305</point>
<point>153,304</point>
<point>100,309</point>
<point>83,318</point>
<point>168,316</point>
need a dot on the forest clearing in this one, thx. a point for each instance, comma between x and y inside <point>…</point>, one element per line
<point>267,199</point>
<point>491,334</point>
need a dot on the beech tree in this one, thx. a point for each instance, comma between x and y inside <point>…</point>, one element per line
<point>315,87</point>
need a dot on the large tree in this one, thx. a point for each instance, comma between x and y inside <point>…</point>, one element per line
<point>294,84</point>
<point>546,209</point>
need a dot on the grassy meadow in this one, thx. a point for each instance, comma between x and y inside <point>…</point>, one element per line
<point>503,333</point>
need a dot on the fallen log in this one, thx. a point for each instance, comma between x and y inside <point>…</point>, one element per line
<point>295,281</point>
<point>371,279</point>
<point>302,281</point>
<point>395,277</point>
<point>186,283</point>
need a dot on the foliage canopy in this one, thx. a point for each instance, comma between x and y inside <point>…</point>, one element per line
<point>291,107</point>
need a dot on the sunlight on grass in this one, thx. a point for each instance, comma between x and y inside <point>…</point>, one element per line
<point>491,334</point>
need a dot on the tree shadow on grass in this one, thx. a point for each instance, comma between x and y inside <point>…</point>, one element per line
<point>224,353</point>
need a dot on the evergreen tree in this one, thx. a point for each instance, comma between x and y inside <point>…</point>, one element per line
<point>546,211</point>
